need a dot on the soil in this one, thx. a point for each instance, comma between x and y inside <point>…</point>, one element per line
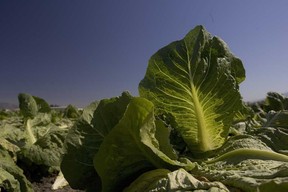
<point>45,184</point>
<point>41,178</point>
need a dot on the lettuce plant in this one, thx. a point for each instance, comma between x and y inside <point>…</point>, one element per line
<point>196,81</point>
<point>11,176</point>
<point>188,131</point>
<point>135,148</point>
<point>33,141</point>
<point>189,97</point>
<point>85,137</point>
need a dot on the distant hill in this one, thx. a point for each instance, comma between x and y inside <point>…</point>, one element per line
<point>8,106</point>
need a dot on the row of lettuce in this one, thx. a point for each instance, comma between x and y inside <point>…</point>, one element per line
<point>32,141</point>
<point>189,130</point>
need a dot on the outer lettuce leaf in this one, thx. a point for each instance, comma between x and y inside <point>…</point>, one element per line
<point>8,182</point>
<point>47,150</point>
<point>35,143</point>
<point>275,101</point>
<point>12,178</point>
<point>38,141</point>
<point>179,180</point>
<point>146,180</point>
<point>242,142</point>
<point>275,137</point>
<point>196,80</point>
<point>277,119</point>
<point>131,148</point>
<point>12,132</point>
<point>162,134</point>
<point>274,131</point>
<point>247,163</point>
<point>248,175</point>
<point>84,139</point>
<point>37,127</point>
<point>88,111</point>
<point>42,105</point>
<point>76,165</point>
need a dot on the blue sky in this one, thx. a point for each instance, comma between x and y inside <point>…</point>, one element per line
<point>78,51</point>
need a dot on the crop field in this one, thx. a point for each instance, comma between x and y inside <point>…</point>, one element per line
<point>188,130</point>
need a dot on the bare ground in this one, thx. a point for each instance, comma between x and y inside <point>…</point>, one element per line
<point>45,185</point>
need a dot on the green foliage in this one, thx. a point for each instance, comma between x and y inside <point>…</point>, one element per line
<point>6,114</point>
<point>196,81</point>
<point>27,105</point>
<point>11,176</point>
<point>33,140</point>
<point>84,139</point>
<point>275,101</point>
<point>188,123</point>
<point>31,105</point>
<point>42,105</point>
<point>135,148</point>
<point>179,180</point>
<point>71,112</point>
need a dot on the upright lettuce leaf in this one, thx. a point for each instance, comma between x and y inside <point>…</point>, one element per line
<point>31,105</point>
<point>132,148</point>
<point>71,112</point>
<point>196,80</point>
<point>27,105</point>
<point>88,111</point>
<point>42,105</point>
<point>84,139</point>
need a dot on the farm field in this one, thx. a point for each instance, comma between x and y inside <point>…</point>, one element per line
<point>188,130</point>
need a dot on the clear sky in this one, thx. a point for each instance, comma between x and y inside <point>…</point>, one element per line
<point>78,51</point>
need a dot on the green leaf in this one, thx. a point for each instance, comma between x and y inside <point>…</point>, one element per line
<point>277,119</point>
<point>11,176</point>
<point>179,180</point>
<point>196,80</point>
<point>31,105</point>
<point>275,101</point>
<point>131,148</point>
<point>162,134</point>
<point>42,105</point>
<point>247,163</point>
<point>71,112</point>
<point>274,137</point>
<point>242,147</point>
<point>81,144</point>
<point>84,139</point>
<point>249,174</point>
<point>28,106</point>
<point>146,180</point>
<point>47,150</point>
<point>37,142</point>
<point>37,127</point>
<point>88,111</point>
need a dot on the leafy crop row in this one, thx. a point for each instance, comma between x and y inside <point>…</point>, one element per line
<point>189,130</point>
